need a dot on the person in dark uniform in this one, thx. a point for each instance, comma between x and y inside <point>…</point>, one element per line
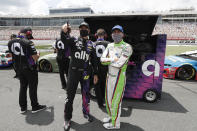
<point>62,58</point>
<point>14,36</point>
<point>82,53</point>
<point>25,57</point>
<point>101,45</point>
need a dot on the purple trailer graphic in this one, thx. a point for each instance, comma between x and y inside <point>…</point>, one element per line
<point>146,78</point>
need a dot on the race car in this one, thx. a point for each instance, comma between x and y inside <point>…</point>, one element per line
<point>182,66</point>
<point>47,63</point>
<point>5,57</point>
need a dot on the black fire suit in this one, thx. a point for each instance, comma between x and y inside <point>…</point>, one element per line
<point>82,52</point>
<point>22,51</point>
<point>101,45</point>
<point>62,58</point>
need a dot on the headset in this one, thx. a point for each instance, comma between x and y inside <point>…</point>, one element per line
<point>28,33</point>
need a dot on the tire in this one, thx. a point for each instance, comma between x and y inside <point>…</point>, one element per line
<point>45,66</point>
<point>185,72</point>
<point>150,96</point>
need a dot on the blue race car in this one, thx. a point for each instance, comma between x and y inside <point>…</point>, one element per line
<point>5,57</point>
<point>183,66</point>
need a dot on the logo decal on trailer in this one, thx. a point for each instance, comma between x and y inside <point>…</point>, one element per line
<point>148,63</point>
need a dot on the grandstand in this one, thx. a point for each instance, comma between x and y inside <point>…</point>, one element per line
<point>177,31</point>
<point>39,33</point>
<point>178,24</point>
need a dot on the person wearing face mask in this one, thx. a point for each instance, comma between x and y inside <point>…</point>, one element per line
<point>116,56</point>
<point>82,53</point>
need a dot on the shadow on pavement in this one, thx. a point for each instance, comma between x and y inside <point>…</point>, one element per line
<point>126,112</point>
<point>6,68</point>
<point>44,117</point>
<point>97,125</point>
<point>167,104</point>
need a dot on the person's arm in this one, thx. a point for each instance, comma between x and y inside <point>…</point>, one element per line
<point>36,57</point>
<point>65,35</point>
<point>33,52</point>
<point>126,53</point>
<point>106,59</point>
<point>9,48</point>
<point>94,63</point>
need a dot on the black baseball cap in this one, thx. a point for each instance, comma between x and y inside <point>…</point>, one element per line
<point>27,31</point>
<point>13,36</point>
<point>84,24</point>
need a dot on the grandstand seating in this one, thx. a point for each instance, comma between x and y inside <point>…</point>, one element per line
<point>39,33</point>
<point>175,31</point>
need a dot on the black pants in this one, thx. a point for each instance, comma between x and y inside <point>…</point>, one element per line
<point>63,66</point>
<point>14,67</point>
<point>100,86</point>
<point>74,77</point>
<point>28,78</point>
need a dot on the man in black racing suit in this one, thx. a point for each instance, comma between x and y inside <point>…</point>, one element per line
<point>82,52</point>
<point>25,56</point>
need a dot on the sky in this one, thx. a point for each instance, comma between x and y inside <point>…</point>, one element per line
<point>41,7</point>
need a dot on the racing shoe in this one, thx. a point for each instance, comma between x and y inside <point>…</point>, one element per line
<point>15,76</point>
<point>110,126</point>
<point>38,108</point>
<point>23,110</point>
<point>66,125</point>
<point>64,86</point>
<point>89,117</point>
<point>106,119</point>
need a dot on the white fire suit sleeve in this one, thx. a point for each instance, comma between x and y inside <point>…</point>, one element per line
<point>106,59</point>
<point>125,55</point>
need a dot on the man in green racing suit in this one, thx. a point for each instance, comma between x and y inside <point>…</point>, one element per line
<point>116,56</point>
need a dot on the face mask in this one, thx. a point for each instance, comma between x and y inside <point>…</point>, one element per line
<point>117,37</point>
<point>29,37</point>
<point>84,33</point>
